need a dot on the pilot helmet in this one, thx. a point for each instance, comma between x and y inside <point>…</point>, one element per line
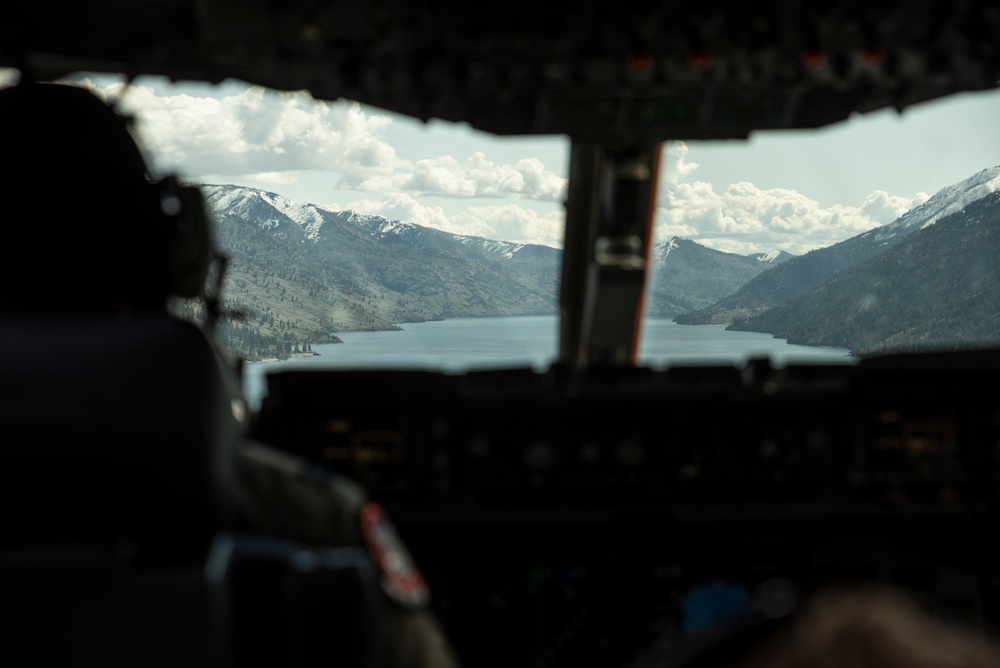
<point>96,232</point>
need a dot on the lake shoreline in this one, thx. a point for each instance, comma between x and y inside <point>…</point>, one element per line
<point>527,341</point>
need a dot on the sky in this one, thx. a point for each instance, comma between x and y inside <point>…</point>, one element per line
<point>778,190</point>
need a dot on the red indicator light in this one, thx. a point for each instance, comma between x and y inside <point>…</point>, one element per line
<point>639,62</point>
<point>814,58</point>
<point>699,61</point>
<point>873,57</point>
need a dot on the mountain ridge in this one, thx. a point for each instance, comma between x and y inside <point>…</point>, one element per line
<point>685,275</point>
<point>801,274</point>
<point>938,288</point>
<point>302,272</point>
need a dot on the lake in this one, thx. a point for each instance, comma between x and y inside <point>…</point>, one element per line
<point>479,343</point>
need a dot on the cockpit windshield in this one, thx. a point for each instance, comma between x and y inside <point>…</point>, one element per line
<point>364,239</point>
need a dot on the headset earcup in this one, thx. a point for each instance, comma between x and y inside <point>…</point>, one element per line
<point>189,252</point>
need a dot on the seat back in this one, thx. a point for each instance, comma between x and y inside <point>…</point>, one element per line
<point>283,604</point>
<point>114,435</point>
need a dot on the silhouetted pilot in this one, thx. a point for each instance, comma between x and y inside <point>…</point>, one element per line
<point>120,421</point>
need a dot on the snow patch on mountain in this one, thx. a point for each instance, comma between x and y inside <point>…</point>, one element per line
<point>238,201</point>
<point>504,249</point>
<point>950,199</point>
<point>260,206</point>
<point>305,216</point>
<point>766,257</point>
<point>383,226</point>
<point>379,225</point>
<point>661,251</point>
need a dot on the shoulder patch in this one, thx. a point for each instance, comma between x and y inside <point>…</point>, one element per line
<point>401,580</point>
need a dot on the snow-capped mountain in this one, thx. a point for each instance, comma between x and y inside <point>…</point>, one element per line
<point>316,224</point>
<point>265,209</point>
<point>801,274</point>
<point>306,270</point>
<point>937,289</point>
<point>687,276</point>
<point>950,199</point>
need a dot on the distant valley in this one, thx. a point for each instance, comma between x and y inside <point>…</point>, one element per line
<point>687,276</point>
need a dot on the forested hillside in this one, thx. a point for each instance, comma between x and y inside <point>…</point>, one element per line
<point>800,275</point>
<point>687,276</point>
<point>299,273</point>
<point>938,288</point>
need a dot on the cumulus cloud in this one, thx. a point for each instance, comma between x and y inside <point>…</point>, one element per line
<point>746,219</point>
<point>743,218</point>
<point>257,132</point>
<point>270,137</point>
<point>512,223</point>
<point>885,208</point>
<point>400,206</point>
<point>475,176</point>
<point>274,178</point>
<point>508,222</point>
<point>674,166</point>
<point>267,132</point>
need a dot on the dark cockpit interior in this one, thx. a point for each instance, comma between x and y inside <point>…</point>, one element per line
<point>601,72</point>
<point>569,517</point>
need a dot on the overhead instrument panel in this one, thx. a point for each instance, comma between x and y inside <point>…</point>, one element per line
<point>602,71</point>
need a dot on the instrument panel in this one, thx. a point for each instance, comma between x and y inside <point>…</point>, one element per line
<point>835,434</point>
<point>602,517</point>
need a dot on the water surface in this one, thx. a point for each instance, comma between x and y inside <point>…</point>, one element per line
<point>462,344</point>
